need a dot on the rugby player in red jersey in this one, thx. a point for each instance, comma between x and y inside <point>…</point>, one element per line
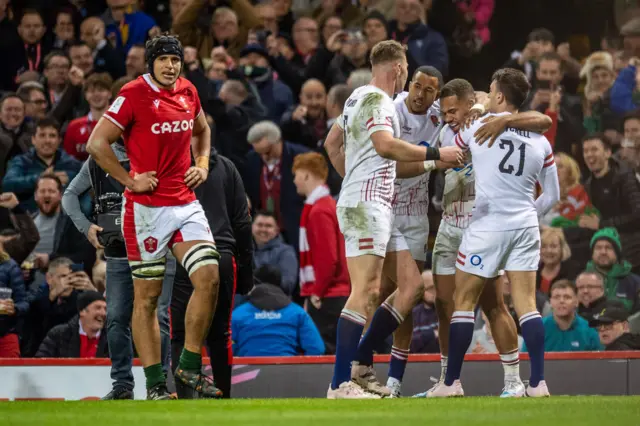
<point>160,119</point>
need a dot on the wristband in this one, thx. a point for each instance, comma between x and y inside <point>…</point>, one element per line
<point>203,162</point>
<point>429,165</point>
<point>479,107</point>
<point>432,154</point>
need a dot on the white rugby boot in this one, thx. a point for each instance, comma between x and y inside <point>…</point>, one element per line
<point>540,391</point>
<point>394,386</point>
<point>513,388</point>
<point>365,377</point>
<point>350,390</point>
<point>440,390</point>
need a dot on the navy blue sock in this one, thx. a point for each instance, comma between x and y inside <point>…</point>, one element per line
<point>384,322</point>
<point>398,362</point>
<point>460,336</point>
<point>533,334</point>
<point>350,326</point>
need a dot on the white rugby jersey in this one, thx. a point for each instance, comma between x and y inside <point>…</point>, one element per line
<point>411,195</point>
<point>459,187</point>
<point>506,176</point>
<point>368,176</point>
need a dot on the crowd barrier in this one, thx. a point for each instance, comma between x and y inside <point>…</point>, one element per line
<point>572,373</point>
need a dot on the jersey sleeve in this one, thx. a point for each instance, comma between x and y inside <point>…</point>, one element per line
<point>381,116</point>
<point>121,110</point>
<point>339,122</point>
<point>463,138</point>
<point>549,182</point>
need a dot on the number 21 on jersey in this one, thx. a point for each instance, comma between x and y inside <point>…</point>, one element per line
<point>508,169</point>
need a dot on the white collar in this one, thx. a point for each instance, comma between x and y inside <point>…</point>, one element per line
<point>316,194</point>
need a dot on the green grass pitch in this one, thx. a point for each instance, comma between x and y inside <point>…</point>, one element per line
<point>565,411</point>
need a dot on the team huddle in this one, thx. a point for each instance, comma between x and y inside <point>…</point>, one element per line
<point>385,150</point>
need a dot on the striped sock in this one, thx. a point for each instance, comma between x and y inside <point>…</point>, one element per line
<point>511,364</point>
<point>384,322</point>
<point>460,335</point>
<point>350,327</point>
<point>398,362</point>
<point>533,334</point>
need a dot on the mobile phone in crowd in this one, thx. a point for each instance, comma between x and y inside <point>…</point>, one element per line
<point>77,267</point>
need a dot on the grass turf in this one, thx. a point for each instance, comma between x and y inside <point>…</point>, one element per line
<point>565,411</point>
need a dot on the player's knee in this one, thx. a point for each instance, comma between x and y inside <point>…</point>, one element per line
<point>372,297</point>
<point>147,301</point>
<point>202,258</point>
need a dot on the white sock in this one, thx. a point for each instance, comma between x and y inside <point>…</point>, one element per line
<point>443,366</point>
<point>393,383</point>
<point>511,365</point>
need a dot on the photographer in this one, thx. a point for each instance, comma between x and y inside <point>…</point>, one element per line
<point>106,233</point>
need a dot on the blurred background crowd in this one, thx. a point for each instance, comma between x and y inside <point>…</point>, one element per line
<point>272,76</point>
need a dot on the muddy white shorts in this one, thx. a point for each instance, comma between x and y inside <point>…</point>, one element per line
<point>366,228</point>
<point>445,249</point>
<point>484,253</point>
<point>410,233</point>
<point>149,232</point>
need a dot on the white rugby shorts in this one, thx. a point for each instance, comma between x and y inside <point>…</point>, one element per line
<point>149,232</point>
<point>445,249</point>
<point>484,253</point>
<point>366,228</point>
<point>410,233</point>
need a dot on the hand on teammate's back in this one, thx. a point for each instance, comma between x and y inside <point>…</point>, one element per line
<point>195,176</point>
<point>144,182</point>
<point>452,154</point>
<point>472,116</point>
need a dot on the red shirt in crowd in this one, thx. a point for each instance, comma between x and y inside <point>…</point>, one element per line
<point>157,125</point>
<point>88,345</point>
<point>77,136</point>
<point>326,247</point>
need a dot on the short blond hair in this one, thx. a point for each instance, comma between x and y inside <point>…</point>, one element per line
<point>550,233</point>
<point>312,162</point>
<point>572,165</point>
<point>387,51</point>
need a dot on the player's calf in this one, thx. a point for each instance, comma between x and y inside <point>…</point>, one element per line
<point>445,306</point>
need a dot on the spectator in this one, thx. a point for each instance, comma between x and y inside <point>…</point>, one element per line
<point>26,53</point>
<point>35,100</point>
<point>227,27</point>
<point>629,152</point>
<point>324,278</point>
<point>359,78</point>
<point>105,57</point>
<point>15,134</point>
<point>425,320</point>
<point>564,330</point>
<point>268,178</point>
<point>375,28</point>
<point>19,233</point>
<point>13,304</point>
<point>81,57</point>
<point>598,71</point>
<point>615,193</point>
<point>619,281</point>
<point>350,14</point>
<point>269,324</point>
<point>613,328</point>
<point>425,46</point>
<point>591,297</point>
<point>306,123</point>
<point>81,336</point>
<point>135,63</point>
<point>272,250</point>
<point>64,30</point>
<point>54,301</point>
<point>345,52</point>
<point>483,342</point>
<point>475,15</point>
<point>624,92</point>
<point>574,201</point>
<point>330,26</point>
<point>97,91</point>
<point>274,94</point>
<point>552,99</point>
<point>555,263</point>
<point>542,300</point>
<point>284,15</point>
<point>56,68</point>
<point>45,156</point>
<point>268,17</point>
<point>336,98</point>
<point>125,26</point>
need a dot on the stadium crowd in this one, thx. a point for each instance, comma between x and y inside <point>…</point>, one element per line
<point>273,77</point>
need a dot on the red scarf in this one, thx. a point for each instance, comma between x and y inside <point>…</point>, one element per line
<point>307,275</point>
